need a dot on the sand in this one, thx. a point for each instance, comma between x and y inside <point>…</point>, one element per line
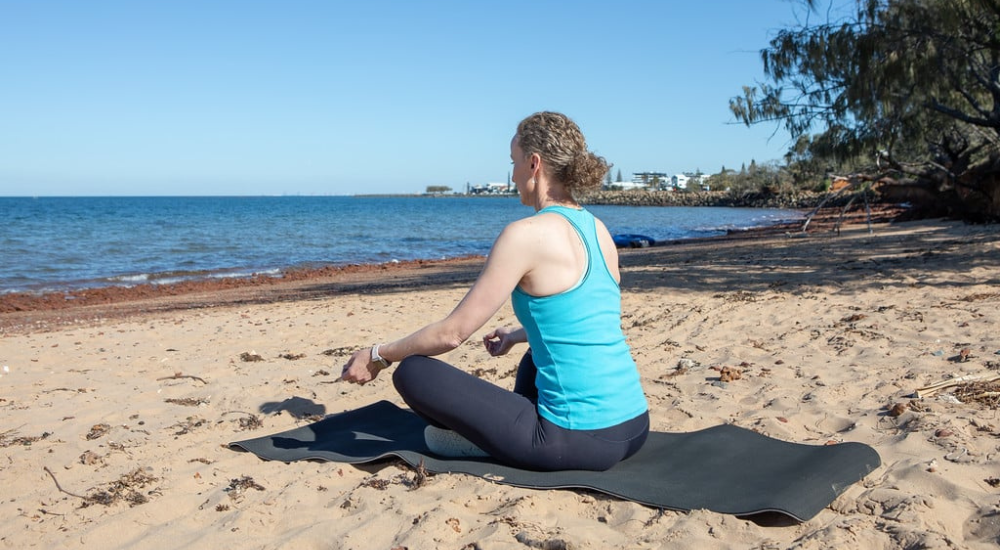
<point>116,413</point>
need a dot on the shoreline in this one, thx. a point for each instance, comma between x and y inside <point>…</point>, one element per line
<point>798,200</point>
<point>20,311</point>
<point>160,262</point>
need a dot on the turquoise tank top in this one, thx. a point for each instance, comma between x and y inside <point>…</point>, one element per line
<point>587,379</point>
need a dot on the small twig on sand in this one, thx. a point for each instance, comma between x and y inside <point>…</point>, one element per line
<point>178,376</point>
<point>56,481</point>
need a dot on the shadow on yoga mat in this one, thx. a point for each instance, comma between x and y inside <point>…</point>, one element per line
<point>724,469</point>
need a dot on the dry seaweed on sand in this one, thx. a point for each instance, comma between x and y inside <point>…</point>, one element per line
<point>984,393</point>
<point>248,421</point>
<point>238,486</point>
<point>188,401</point>
<point>188,425</point>
<point>127,488</point>
<point>98,431</point>
<point>420,475</point>
<point>7,439</point>
<point>343,351</point>
<point>412,483</point>
<point>375,482</point>
<point>933,389</point>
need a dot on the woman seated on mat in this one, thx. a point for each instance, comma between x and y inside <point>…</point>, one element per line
<point>577,402</point>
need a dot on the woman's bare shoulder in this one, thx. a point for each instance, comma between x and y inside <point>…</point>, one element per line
<point>533,224</point>
<point>535,234</point>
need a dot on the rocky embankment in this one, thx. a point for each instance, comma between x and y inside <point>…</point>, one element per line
<point>757,199</point>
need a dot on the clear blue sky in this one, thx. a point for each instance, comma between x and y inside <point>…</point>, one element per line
<point>377,96</point>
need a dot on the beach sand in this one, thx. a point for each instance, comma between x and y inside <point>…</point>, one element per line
<point>117,410</point>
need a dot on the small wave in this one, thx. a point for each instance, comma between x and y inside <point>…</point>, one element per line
<point>242,274</point>
<point>762,221</point>
<point>130,279</point>
<point>136,279</point>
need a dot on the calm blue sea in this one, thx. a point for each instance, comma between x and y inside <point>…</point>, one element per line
<point>53,244</point>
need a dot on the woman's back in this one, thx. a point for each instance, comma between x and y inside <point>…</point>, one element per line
<point>561,256</point>
<point>586,376</point>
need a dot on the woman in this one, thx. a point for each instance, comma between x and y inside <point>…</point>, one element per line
<point>577,401</point>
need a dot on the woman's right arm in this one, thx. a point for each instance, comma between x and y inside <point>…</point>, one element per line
<point>513,254</point>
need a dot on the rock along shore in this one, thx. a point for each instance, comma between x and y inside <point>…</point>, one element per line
<point>756,199</point>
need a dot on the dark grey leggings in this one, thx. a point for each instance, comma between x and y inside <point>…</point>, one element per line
<point>506,424</point>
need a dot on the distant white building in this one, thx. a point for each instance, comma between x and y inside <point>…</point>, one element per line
<point>683,181</point>
<point>651,180</point>
<point>661,181</point>
<point>491,189</point>
<point>625,185</point>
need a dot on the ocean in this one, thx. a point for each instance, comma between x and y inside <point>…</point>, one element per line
<point>52,244</point>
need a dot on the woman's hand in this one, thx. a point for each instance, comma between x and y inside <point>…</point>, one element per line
<point>360,368</point>
<point>500,340</point>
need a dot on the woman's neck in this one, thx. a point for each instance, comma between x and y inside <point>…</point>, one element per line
<point>566,204</point>
<point>555,195</point>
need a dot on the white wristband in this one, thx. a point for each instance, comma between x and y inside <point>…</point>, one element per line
<point>378,359</point>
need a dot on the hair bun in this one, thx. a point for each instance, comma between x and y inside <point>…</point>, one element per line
<point>560,143</point>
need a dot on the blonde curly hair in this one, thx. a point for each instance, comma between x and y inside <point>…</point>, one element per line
<point>560,143</point>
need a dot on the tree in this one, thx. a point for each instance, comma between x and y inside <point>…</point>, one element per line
<point>911,87</point>
<point>607,179</point>
<point>619,176</point>
<point>802,166</point>
<point>438,189</point>
<point>723,181</point>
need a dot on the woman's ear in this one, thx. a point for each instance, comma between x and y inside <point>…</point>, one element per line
<point>536,160</point>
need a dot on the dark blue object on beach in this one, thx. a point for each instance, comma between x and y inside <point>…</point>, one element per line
<point>633,241</point>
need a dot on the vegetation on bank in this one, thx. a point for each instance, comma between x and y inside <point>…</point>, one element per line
<point>763,197</point>
<point>899,94</point>
<point>759,198</point>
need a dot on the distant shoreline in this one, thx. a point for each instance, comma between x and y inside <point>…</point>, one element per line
<point>724,199</point>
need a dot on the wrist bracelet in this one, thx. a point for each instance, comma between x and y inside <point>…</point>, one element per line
<point>378,359</point>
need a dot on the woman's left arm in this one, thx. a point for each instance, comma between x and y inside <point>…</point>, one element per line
<point>509,260</point>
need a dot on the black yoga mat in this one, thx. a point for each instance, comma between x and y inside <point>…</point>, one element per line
<point>725,469</point>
